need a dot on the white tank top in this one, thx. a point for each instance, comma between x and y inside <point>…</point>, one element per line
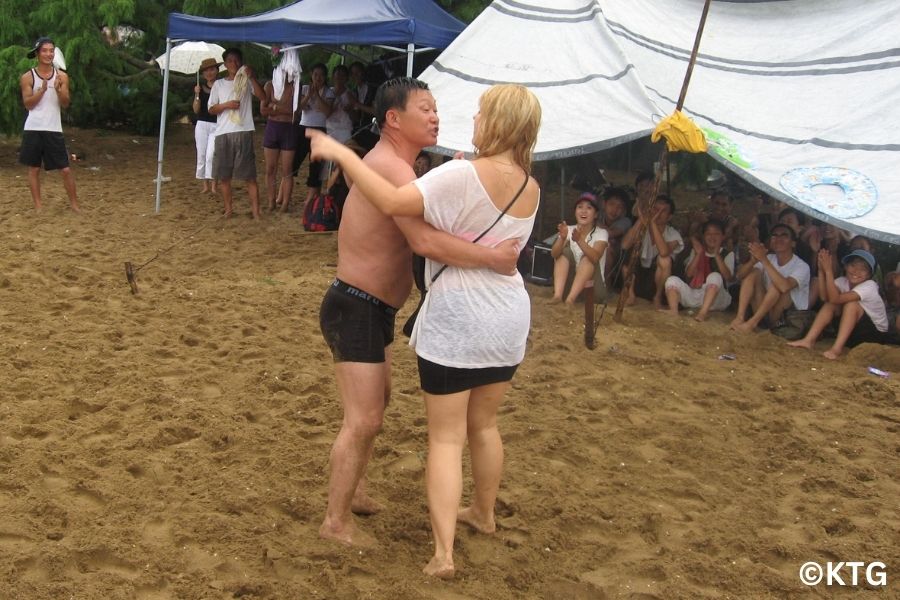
<point>45,115</point>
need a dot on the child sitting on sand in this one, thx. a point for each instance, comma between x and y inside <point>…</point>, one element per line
<point>853,298</point>
<point>709,269</point>
<point>582,245</point>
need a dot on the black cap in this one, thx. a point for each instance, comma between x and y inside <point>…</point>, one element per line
<point>37,46</point>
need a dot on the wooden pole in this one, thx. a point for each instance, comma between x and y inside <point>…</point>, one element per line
<point>662,167</point>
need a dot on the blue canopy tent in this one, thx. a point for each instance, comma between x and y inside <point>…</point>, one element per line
<point>408,26</point>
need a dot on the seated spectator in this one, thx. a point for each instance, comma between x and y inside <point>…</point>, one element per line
<point>720,210</point>
<point>853,299</point>
<point>861,242</point>
<point>582,246</point>
<point>658,248</point>
<point>644,188</point>
<point>710,266</point>
<point>615,220</point>
<point>772,283</point>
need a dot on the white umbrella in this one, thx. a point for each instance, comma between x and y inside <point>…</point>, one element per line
<point>186,57</point>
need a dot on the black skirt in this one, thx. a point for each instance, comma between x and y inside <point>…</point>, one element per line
<point>440,380</point>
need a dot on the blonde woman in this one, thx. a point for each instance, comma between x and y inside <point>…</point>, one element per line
<point>471,332</point>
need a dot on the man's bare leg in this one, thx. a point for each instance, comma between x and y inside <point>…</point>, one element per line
<point>749,286</point>
<point>287,182</point>
<point>34,184</point>
<point>225,187</point>
<point>364,389</point>
<point>253,192</point>
<point>69,183</point>
<point>771,299</point>
<point>272,156</point>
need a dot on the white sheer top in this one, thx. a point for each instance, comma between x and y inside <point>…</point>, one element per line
<point>471,318</point>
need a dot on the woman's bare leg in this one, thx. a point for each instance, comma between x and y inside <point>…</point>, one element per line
<point>486,448</point>
<point>443,474</point>
<point>560,274</point>
<point>584,272</point>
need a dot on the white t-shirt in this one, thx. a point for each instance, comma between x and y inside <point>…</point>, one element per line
<point>597,235</point>
<point>649,251</point>
<point>869,299</point>
<point>794,269</point>
<point>471,318</point>
<point>338,124</point>
<point>312,116</point>
<point>230,120</point>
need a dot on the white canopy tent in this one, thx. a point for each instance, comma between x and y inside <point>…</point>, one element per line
<point>798,97</point>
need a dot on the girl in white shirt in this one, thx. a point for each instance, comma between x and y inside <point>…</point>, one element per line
<point>852,299</point>
<point>583,246</point>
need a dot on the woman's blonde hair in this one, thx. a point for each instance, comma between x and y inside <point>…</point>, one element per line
<point>510,119</point>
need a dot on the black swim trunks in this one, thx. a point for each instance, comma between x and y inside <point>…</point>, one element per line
<point>356,325</point>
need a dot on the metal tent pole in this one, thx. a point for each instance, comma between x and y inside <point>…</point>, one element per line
<point>162,124</point>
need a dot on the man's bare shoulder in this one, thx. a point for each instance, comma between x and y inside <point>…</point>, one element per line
<point>383,160</point>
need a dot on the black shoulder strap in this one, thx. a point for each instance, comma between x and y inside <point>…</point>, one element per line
<point>497,220</point>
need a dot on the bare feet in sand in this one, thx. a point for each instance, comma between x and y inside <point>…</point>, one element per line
<point>440,568</point>
<point>701,316</point>
<point>477,522</point>
<point>363,505</point>
<point>801,344</point>
<point>668,311</point>
<point>736,323</point>
<point>554,300</point>
<point>348,534</point>
<point>831,354</point>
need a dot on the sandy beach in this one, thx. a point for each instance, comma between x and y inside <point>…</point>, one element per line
<point>174,444</point>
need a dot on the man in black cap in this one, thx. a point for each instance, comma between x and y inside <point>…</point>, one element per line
<point>44,91</point>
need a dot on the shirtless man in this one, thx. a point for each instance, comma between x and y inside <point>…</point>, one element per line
<point>373,279</point>
<point>44,91</point>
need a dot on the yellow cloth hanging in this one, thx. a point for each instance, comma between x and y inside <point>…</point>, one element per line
<point>681,133</point>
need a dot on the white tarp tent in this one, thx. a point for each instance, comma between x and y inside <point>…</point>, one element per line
<point>793,94</point>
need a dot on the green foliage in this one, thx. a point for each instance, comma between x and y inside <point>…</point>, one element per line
<point>464,10</point>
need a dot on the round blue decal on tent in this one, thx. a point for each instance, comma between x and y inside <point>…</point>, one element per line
<point>859,192</point>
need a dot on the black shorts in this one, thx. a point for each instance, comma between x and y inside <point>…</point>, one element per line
<point>864,332</point>
<point>439,380</point>
<point>356,325</point>
<point>44,147</point>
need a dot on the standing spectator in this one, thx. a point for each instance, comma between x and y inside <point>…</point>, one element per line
<point>44,91</point>
<point>279,142</point>
<point>316,100</point>
<point>338,124</point>
<point>231,100</point>
<point>205,128</point>
<point>362,113</point>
